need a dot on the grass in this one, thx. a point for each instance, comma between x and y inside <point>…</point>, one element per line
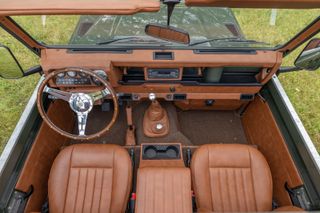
<point>301,87</point>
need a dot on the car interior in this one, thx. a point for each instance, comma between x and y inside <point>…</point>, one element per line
<point>173,135</point>
<point>156,129</point>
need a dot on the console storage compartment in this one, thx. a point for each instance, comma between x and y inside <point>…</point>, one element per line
<point>163,181</point>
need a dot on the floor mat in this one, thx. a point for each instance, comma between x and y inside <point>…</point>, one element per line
<point>98,119</point>
<point>204,127</point>
<point>186,127</point>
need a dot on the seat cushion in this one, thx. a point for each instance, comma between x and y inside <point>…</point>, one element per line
<point>164,189</point>
<point>90,178</point>
<point>231,177</point>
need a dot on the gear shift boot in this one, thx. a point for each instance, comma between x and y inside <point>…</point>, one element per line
<point>155,121</point>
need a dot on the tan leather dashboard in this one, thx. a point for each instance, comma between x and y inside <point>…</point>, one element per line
<point>118,64</point>
<point>58,58</point>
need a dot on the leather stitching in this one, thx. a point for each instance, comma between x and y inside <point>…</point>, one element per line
<point>253,181</point>
<point>236,189</point>
<point>114,170</point>
<point>67,187</point>
<point>93,190</point>
<point>101,191</point>
<point>209,162</point>
<point>85,188</point>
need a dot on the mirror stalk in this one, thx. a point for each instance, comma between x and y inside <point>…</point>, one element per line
<point>288,69</point>
<point>33,70</point>
<point>170,7</point>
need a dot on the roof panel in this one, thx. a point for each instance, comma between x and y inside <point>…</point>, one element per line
<point>289,4</point>
<point>55,7</point>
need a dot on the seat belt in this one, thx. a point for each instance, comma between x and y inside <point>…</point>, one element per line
<point>132,200</point>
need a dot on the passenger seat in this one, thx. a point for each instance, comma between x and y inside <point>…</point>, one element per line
<point>232,178</point>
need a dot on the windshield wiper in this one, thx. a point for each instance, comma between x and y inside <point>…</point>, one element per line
<point>116,39</point>
<point>230,39</point>
<point>130,38</point>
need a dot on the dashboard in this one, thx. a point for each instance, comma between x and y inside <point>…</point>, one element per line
<point>189,75</point>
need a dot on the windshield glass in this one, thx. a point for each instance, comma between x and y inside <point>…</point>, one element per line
<point>207,27</point>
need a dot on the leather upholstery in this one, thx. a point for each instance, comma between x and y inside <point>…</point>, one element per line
<point>90,178</point>
<point>261,129</point>
<point>288,209</point>
<point>164,189</point>
<point>231,177</point>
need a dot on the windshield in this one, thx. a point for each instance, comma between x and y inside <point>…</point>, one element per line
<point>207,27</point>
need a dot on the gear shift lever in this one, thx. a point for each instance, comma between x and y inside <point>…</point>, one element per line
<point>155,122</point>
<point>152,97</point>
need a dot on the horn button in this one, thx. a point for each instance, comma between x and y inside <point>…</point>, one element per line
<point>81,103</point>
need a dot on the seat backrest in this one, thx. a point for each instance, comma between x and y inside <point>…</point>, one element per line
<point>90,178</point>
<point>231,177</point>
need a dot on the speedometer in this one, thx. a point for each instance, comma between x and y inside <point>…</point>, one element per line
<point>72,74</point>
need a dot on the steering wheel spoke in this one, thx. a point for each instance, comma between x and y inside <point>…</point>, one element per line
<point>58,93</point>
<point>82,123</point>
<point>100,94</point>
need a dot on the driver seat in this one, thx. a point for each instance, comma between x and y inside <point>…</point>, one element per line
<point>90,178</point>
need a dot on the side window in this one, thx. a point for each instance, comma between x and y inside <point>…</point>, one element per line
<point>14,94</point>
<point>302,88</point>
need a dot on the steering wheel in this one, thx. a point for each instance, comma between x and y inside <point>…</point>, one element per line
<point>80,103</point>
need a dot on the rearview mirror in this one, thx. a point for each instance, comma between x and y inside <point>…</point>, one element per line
<point>309,59</point>
<point>9,66</point>
<point>167,33</point>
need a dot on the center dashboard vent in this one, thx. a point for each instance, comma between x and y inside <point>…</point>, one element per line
<point>163,56</point>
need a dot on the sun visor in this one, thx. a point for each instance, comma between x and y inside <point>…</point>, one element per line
<point>288,4</point>
<point>77,7</point>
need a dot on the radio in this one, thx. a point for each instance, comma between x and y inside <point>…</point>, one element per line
<point>163,73</point>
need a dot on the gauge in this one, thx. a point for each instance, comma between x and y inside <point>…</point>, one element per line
<point>82,74</point>
<point>101,74</point>
<point>61,75</point>
<point>71,74</point>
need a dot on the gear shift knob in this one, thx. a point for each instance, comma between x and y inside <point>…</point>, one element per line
<point>152,97</point>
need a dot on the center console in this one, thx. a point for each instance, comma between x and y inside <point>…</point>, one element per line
<point>161,154</point>
<point>163,179</point>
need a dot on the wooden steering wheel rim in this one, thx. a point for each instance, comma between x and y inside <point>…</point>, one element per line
<point>62,132</point>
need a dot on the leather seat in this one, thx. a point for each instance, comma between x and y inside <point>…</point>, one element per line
<point>164,189</point>
<point>232,178</point>
<point>90,178</point>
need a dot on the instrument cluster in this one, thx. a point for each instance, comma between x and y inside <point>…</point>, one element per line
<point>75,78</point>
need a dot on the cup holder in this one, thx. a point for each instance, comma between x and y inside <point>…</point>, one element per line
<point>160,152</point>
<point>150,152</point>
